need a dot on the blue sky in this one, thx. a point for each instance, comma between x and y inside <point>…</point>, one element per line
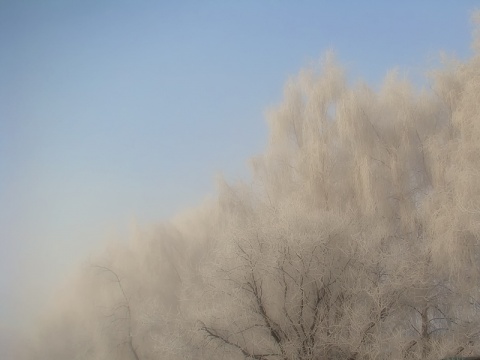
<point>112,111</point>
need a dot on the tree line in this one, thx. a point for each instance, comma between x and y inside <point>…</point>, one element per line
<point>357,238</point>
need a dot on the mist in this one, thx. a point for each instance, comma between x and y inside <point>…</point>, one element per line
<point>354,236</point>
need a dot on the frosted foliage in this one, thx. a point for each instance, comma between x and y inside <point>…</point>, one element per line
<point>357,238</point>
<point>363,240</point>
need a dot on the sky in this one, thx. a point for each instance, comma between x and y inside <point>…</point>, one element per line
<point>116,112</point>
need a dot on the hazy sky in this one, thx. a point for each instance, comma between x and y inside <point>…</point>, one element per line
<point>118,110</point>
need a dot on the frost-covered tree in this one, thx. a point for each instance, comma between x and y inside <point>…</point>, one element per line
<point>359,238</point>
